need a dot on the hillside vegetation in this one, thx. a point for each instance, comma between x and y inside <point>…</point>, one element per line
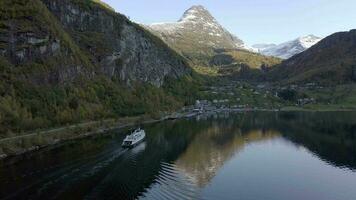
<point>253,60</point>
<point>53,74</point>
<point>329,62</point>
<point>238,64</point>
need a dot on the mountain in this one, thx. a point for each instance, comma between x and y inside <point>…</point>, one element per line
<point>64,61</point>
<point>330,61</point>
<point>93,35</point>
<point>262,47</point>
<point>287,49</point>
<point>196,35</point>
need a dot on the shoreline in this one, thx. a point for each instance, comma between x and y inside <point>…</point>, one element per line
<point>75,132</point>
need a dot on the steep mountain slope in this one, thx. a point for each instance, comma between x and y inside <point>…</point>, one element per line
<point>287,49</point>
<point>330,61</point>
<point>196,35</point>
<point>64,61</point>
<point>128,51</point>
<point>30,36</point>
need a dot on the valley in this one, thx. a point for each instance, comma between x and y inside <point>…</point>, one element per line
<point>297,75</point>
<point>70,62</point>
<point>99,99</point>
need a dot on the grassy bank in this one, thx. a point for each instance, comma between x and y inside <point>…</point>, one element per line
<point>32,141</point>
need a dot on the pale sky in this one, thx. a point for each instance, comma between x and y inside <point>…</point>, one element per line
<point>254,21</point>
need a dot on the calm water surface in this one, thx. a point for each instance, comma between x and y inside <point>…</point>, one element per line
<point>267,156</point>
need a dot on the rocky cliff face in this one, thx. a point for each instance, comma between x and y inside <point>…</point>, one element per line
<point>84,38</point>
<point>128,52</point>
<point>67,61</point>
<point>30,38</point>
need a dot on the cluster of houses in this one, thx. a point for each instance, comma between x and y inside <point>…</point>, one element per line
<point>305,101</point>
<point>206,106</point>
<point>201,106</point>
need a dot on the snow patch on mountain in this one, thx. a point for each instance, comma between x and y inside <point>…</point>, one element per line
<point>309,41</point>
<point>288,49</point>
<point>261,47</point>
<point>199,27</point>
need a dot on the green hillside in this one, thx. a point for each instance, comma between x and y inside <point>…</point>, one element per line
<point>331,61</point>
<point>51,77</point>
<point>238,64</point>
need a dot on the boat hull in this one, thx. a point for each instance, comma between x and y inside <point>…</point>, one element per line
<point>133,144</point>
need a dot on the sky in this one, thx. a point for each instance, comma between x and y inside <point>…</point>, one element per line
<point>253,21</point>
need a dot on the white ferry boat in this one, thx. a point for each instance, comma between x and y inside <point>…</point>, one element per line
<point>134,138</point>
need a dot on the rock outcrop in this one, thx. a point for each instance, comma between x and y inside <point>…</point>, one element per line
<point>36,45</point>
<point>68,61</point>
<point>83,38</point>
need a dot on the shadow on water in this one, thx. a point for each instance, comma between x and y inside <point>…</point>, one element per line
<point>329,135</point>
<point>177,159</point>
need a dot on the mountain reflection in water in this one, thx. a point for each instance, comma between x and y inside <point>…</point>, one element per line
<point>286,155</point>
<point>211,149</point>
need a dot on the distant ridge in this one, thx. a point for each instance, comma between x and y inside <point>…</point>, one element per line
<point>331,61</point>
<point>287,49</point>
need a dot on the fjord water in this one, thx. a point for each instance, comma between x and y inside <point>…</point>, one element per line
<point>261,155</point>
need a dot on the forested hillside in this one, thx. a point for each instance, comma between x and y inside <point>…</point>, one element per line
<point>66,61</point>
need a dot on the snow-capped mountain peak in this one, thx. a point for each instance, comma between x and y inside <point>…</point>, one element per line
<point>197,13</point>
<point>308,41</point>
<point>198,28</point>
<point>288,49</point>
